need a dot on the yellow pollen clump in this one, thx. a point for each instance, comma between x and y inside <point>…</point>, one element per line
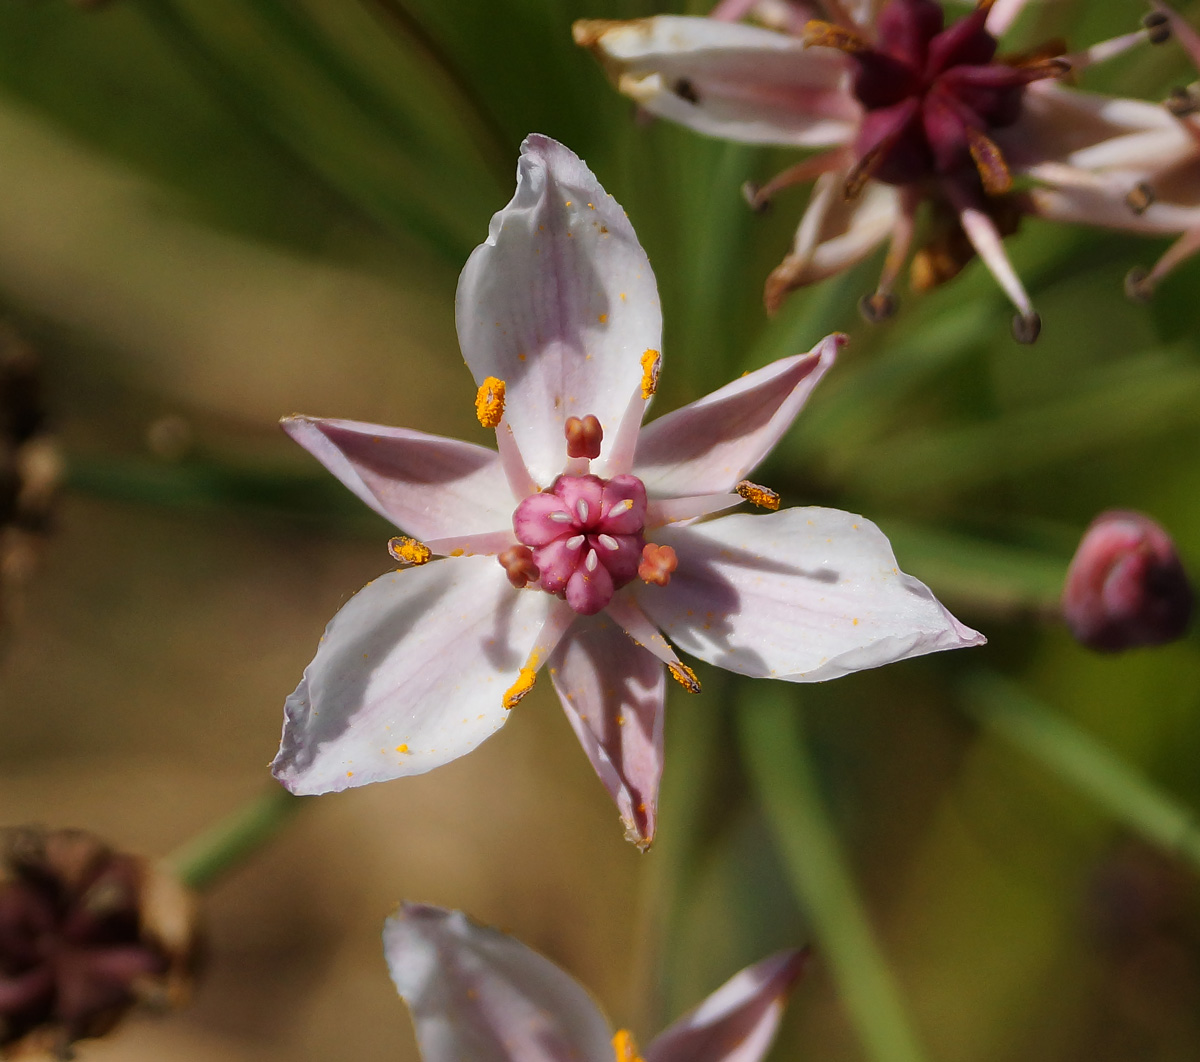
<point>401,748</point>
<point>763,497</point>
<point>409,551</point>
<point>489,402</point>
<point>685,676</point>
<point>525,680</point>
<point>651,363</point>
<point>625,1047</point>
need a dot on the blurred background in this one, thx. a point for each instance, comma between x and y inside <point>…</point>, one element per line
<point>217,212</point>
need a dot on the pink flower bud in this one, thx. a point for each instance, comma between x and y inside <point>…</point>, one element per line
<point>1126,586</point>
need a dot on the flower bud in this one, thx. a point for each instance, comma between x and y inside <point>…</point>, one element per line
<point>85,933</point>
<point>1126,586</point>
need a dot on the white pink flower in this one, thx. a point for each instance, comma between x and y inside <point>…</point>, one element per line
<point>904,109</point>
<point>585,540</point>
<point>476,993</point>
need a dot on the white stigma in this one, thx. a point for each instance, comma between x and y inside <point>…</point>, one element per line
<point>608,542</point>
<point>581,507</point>
<point>621,507</point>
<point>592,561</point>
<point>560,517</point>
<point>575,542</point>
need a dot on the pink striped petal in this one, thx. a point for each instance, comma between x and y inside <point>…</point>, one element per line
<point>802,595</point>
<point>738,1021</point>
<point>477,994</point>
<point>708,446</point>
<point>560,303</point>
<point>427,485</point>
<point>612,692</point>
<point>727,80</point>
<point>410,674</point>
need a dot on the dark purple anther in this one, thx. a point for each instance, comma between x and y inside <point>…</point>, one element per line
<point>1126,586</point>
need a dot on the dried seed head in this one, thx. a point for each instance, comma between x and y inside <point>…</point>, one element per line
<point>85,933</point>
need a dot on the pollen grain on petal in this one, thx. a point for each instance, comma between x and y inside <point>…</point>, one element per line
<point>651,364</point>
<point>489,402</point>
<point>685,676</point>
<point>408,551</point>
<point>763,497</point>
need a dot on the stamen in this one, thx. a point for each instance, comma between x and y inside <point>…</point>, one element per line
<point>574,542</point>
<point>525,680</point>
<point>763,497</point>
<point>818,34</point>
<point>1026,327</point>
<point>874,308</point>
<point>1157,27</point>
<point>624,1047</point>
<point>560,517</point>
<point>608,542</point>
<point>658,562</point>
<point>1140,198</point>
<point>591,561</point>
<point>651,364</point>
<point>685,676</point>
<point>519,566</point>
<point>622,506</point>
<point>489,402</point>
<point>1181,102</point>
<point>581,507</point>
<point>584,436</point>
<point>989,161</point>
<point>409,552</point>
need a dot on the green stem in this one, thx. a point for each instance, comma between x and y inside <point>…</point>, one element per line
<point>1083,762</point>
<point>775,752</point>
<point>202,860</point>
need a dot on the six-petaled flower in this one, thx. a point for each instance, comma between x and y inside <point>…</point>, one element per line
<point>584,540</point>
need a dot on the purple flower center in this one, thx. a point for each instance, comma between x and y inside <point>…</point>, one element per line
<point>932,94</point>
<point>584,535</point>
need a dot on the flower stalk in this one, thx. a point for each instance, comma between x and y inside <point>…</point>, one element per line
<point>780,767</point>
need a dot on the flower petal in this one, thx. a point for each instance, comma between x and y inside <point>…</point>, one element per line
<point>612,692</point>
<point>427,485</point>
<point>708,446</point>
<point>476,993</point>
<point>410,674</point>
<point>802,595</point>
<point>560,303</point>
<point>727,80</point>
<point>738,1021</point>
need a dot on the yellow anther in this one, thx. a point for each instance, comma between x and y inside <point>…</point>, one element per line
<point>989,161</point>
<point>685,676</point>
<point>651,363</point>
<point>525,680</point>
<point>763,497</point>
<point>625,1047</point>
<point>489,402</point>
<point>408,551</point>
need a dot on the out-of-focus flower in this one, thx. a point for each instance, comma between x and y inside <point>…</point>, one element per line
<point>476,993</point>
<point>30,469</point>
<point>1132,166</point>
<point>908,110</point>
<point>582,541</point>
<point>85,933</point>
<point>1126,586</point>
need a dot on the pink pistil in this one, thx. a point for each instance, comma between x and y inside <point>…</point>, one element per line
<point>584,535</point>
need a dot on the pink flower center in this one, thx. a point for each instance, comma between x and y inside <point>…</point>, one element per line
<point>932,94</point>
<point>584,537</point>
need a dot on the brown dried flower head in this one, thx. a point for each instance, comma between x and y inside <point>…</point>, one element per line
<point>85,933</point>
